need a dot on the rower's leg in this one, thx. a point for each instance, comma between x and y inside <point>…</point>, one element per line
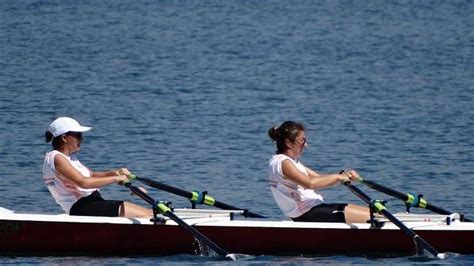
<point>356,214</point>
<point>131,210</point>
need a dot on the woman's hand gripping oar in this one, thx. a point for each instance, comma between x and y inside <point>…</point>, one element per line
<point>194,197</point>
<point>380,208</point>
<point>165,210</point>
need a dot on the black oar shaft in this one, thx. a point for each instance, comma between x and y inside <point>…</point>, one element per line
<point>189,195</point>
<point>165,187</point>
<point>410,233</point>
<point>165,211</point>
<point>140,193</point>
<point>439,210</point>
<point>382,210</point>
<point>386,190</point>
<point>404,197</point>
<point>197,234</point>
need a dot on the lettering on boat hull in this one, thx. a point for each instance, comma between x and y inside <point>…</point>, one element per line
<point>7,228</point>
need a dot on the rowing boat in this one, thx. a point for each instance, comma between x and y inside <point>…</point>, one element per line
<point>221,232</point>
<point>60,234</point>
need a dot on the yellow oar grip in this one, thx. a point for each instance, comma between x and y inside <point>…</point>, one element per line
<point>195,196</point>
<point>417,202</point>
<point>423,203</point>
<point>202,198</point>
<point>379,207</point>
<point>410,199</point>
<point>208,200</point>
<point>163,208</point>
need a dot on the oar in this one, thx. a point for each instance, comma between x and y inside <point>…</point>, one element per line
<point>194,197</point>
<point>380,208</point>
<point>409,199</point>
<point>165,210</point>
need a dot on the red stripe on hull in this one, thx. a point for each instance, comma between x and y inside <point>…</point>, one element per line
<point>54,238</point>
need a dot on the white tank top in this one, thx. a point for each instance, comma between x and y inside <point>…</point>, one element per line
<point>64,191</point>
<point>293,199</point>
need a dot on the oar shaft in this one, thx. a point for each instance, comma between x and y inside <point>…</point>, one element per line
<point>409,232</point>
<point>189,195</point>
<point>165,187</point>
<point>362,195</point>
<point>140,193</point>
<point>165,211</point>
<point>406,198</point>
<point>385,190</point>
<point>196,233</point>
<point>225,206</point>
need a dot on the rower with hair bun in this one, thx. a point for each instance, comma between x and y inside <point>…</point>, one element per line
<point>293,184</point>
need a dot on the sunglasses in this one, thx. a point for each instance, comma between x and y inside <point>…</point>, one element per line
<point>75,134</point>
<point>302,141</point>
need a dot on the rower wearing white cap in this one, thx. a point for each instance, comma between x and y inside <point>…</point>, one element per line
<point>74,186</point>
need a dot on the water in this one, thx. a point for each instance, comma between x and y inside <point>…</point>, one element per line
<point>184,92</point>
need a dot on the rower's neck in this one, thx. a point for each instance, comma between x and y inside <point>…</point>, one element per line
<point>64,151</point>
<point>292,155</point>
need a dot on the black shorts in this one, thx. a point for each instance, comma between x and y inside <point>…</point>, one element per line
<point>95,205</point>
<point>333,213</point>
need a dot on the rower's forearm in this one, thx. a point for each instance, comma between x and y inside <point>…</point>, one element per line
<point>106,173</point>
<point>324,181</point>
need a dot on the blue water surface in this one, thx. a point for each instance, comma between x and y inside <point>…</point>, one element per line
<point>184,92</point>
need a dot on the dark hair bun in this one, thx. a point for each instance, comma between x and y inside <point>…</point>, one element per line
<point>273,133</point>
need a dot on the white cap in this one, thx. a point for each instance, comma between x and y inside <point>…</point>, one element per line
<point>65,124</point>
